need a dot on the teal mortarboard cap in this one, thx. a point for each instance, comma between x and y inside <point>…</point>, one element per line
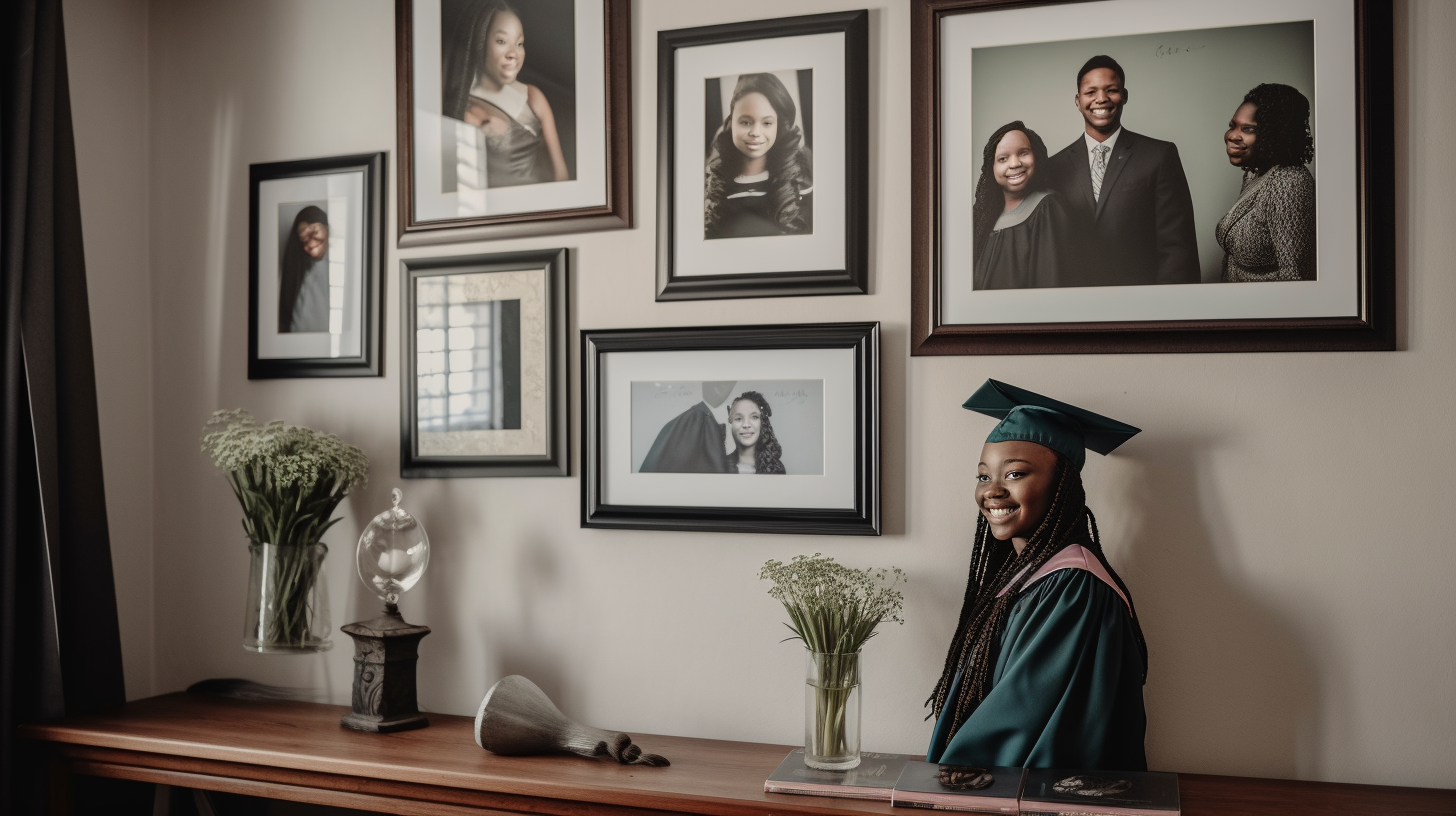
<point>1029,417</point>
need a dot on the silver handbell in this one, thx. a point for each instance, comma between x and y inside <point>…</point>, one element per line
<point>516,718</point>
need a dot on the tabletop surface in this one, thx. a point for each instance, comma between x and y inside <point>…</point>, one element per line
<point>706,776</point>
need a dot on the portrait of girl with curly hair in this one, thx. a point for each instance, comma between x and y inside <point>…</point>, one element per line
<point>756,448</point>
<point>759,172</point>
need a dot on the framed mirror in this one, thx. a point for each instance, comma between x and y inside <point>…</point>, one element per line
<point>484,370</point>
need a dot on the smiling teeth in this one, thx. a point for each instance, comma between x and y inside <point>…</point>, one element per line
<point>1001,512</point>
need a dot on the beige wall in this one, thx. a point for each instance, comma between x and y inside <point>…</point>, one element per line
<point>1281,522</point>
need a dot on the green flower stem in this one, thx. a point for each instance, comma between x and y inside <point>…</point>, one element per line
<point>289,480</point>
<point>836,676</point>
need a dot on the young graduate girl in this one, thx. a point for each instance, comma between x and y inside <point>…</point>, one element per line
<point>1047,666</point>
<point>1019,229</point>
<point>759,174</point>
<point>488,50</point>
<point>756,448</point>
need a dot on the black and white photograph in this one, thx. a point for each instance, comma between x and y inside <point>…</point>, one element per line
<point>484,391</point>
<point>759,166</point>
<point>762,158</point>
<point>772,427</point>
<point>671,418</point>
<point>496,133</point>
<point>316,230</point>
<point>1118,162</point>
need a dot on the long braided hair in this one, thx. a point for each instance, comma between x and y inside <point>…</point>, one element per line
<point>464,53</point>
<point>994,564</point>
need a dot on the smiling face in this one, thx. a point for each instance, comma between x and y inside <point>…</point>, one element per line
<point>505,49</point>
<point>1242,133</point>
<point>1014,164</point>
<point>1014,486</point>
<point>315,238</point>
<point>755,127</point>
<point>1100,98</point>
<point>745,423</point>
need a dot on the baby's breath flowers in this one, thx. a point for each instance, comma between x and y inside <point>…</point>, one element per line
<point>289,481</point>
<point>834,608</point>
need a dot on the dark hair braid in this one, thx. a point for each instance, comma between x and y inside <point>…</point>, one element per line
<point>974,649</point>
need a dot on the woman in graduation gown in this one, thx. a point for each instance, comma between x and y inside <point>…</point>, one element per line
<point>1020,237</point>
<point>1048,661</point>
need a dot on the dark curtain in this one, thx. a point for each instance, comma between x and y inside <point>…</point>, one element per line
<point>60,646</point>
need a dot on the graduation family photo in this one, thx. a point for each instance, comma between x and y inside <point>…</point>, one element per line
<point>1068,193</point>
<point>1126,175</point>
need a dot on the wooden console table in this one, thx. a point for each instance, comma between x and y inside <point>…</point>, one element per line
<point>299,752</point>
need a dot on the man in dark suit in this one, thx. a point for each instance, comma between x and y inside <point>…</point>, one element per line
<point>1126,192</point>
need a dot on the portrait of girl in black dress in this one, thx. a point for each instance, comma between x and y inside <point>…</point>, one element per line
<point>759,172</point>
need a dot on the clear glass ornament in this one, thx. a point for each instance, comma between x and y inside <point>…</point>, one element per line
<point>393,552</point>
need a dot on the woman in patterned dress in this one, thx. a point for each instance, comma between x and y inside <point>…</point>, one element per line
<point>1269,233</point>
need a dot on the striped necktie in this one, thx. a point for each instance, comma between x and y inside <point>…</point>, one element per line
<point>1099,169</point>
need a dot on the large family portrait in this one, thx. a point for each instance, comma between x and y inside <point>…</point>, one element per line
<point>759,427</point>
<point>1167,158</point>
<point>314,267</point>
<point>513,117</point>
<point>763,158</point>
<point>1126,175</point>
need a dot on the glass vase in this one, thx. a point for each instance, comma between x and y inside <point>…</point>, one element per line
<point>288,603</point>
<point>831,711</point>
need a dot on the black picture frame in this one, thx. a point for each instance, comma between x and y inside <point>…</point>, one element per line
<point>540,444</point>
<point>1369,325</point>
<point>859,370</point>
<point>850,278</point>
<point>611,83</point>
<point>277,187</point>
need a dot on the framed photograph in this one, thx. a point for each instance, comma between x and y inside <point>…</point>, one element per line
<point>483,391</point>
<point>763,159</point>
<point>315,249</point>
<point>1139,176</point>
<point>495,144</point>
<point>674,420</point>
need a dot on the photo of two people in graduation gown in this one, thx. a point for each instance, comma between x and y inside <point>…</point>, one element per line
<point>1215,184</point>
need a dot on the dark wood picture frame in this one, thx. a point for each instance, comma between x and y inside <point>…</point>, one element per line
<point>862,340</point>
<point>370,246</point>
<point>555,459</point>
<point>616,210</point>
<point>853,279</point>
<point>1373,328</point>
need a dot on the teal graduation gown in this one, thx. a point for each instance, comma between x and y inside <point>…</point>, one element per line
<point>1067,688</point>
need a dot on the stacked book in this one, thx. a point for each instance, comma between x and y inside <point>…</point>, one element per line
<point>904,781</point>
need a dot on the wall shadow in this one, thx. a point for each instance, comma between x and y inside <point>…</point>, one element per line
<point>1231,688</point>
